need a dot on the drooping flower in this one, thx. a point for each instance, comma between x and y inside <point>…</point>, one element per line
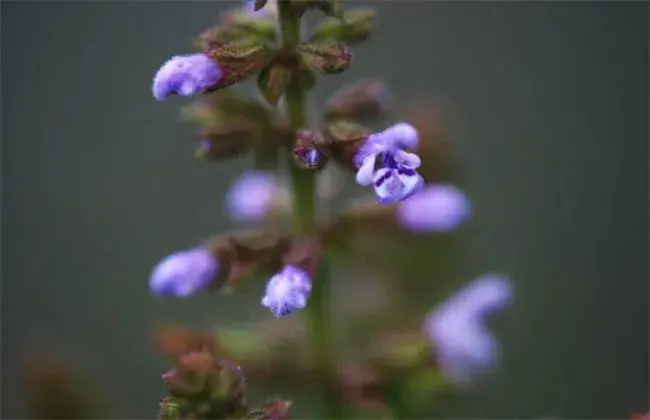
<point>463,345</point>
<point>186,75</point>
<point>437,208</point>
<point>184,273</point>
<point>382,161</point>
<point>287,291</point>
<point>252,196</point>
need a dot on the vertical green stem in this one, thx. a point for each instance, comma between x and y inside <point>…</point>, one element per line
<point>304,220</point>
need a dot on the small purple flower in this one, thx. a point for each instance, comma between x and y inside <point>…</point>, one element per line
<point>437,208</point>
<point>382,162</point>
<point>186,75</point>
<point>287,291</point>
<point>464,346</point>
<point>251,196</point>
<point>268,9</point>
<point>184,273</point>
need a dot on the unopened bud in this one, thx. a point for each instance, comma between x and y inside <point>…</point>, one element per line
<point>308,152</point>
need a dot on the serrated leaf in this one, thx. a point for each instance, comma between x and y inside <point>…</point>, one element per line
<point>354,27</point>
<point>239,61</point>
<point>325,57</point>
<point>273,81</point>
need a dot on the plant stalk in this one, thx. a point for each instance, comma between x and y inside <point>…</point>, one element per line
<point>303,185</point>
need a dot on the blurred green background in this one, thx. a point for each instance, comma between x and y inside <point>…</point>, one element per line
<point>548,106</point>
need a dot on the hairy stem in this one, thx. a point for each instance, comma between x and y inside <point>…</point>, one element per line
<point>304,221</point>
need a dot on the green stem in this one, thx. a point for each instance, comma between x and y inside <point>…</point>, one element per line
<point>304,221</point>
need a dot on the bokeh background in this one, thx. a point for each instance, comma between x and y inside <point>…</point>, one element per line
<point>547,106</point>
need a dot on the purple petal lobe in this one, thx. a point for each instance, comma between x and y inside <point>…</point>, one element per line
<point>365,172</point>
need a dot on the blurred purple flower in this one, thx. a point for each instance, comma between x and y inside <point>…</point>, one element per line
<point>186,75</point>
<point>382,162</point>
<point>183,273</point>
<point>251,196</point>
<point>268,9</point>
<point>437,208</point>
<point>287,291</point>
<point>464,346</point>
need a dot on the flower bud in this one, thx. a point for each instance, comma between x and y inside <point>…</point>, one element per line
<point>308,152</point>
<point>186,75</point>
<point>251,197</point>
<point>437,208</point>
<point>287,291</point>
<point>184,273</point>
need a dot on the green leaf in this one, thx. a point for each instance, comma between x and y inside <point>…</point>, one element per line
<point>325,57</point>
<point>354,27</point>
<point>273,81</point>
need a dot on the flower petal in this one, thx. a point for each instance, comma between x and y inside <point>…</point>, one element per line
<point>413,183</point>
<point>410,160</point>
<point>364,175</point>
<point>402,135</point>
<point>389,188</point>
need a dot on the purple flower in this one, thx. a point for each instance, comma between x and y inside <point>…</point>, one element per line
<point>186,75</point>
<point>184,273</point>
<point>382,162</point>
<point>287,291</point>
<point>267,10</point>
<point>251,196</point>
<point>464,346</point>
<point>437,208</point>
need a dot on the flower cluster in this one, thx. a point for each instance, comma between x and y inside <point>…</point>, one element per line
<point>291,254</point>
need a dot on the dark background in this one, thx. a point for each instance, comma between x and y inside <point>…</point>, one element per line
<point>550,117</point>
